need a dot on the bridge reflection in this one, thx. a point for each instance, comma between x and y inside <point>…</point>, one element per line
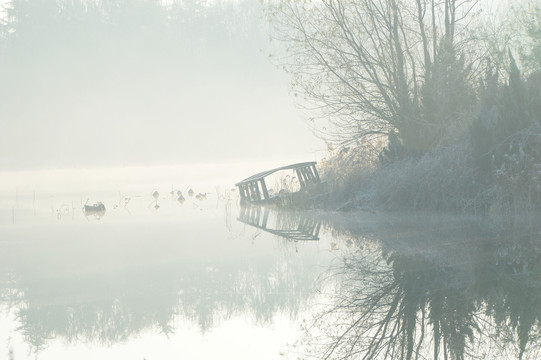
<point>294,226</point>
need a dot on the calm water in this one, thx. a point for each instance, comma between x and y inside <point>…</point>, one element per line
<point>155,278</point>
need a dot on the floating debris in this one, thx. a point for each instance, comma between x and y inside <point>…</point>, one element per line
<point>97,210</point>
<point>124,201</point>
<point>63,210</point>
<point>201,196</point>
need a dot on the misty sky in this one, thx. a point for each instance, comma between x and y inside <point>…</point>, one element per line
<point>87,83</point>
<point>135,83</point>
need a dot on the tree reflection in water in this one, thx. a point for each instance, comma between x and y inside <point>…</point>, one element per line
<point>407,288</point>
<point>108,290</point>
<point>441,290</point>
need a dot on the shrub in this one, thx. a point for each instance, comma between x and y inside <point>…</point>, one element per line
<point>506,139</point>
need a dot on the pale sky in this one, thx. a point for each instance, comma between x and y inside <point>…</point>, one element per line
<point>142,101</point>
<point>150,102</point>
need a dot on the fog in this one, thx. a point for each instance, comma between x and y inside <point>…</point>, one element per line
<point>124,125</point>
<point>121,83</point>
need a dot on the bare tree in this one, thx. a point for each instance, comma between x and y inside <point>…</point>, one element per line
<point>364,65</point>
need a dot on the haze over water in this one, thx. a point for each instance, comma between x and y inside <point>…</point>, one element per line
<point>203,278</point>
<point>131,104</point>
<point>151,278</point>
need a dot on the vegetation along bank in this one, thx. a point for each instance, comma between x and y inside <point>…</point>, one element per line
<point>423,105</point>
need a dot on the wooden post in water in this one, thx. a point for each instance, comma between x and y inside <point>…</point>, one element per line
<point>250,191</point>
<point>255,188</point>
<point>312,175</point>
<point>264,188</point>
<point>314,169</point>
<point>257,216</point>
<point>265,218</point>
<point>306,179</point>
<point>318,226</point>
<point>300,177</point>
<point>308,174</point>
<point>241,192</point>
<point>303,177</point>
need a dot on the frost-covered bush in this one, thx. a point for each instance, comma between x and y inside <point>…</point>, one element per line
<point>506,140</point>
<point>342,172</point>
<point>443,179</point>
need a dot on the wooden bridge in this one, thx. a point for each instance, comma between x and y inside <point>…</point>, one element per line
<point>254,188</point>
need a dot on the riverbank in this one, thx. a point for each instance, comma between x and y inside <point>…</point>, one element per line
<point>445,179</point>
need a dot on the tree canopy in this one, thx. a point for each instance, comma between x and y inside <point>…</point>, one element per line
<point>371,68</point>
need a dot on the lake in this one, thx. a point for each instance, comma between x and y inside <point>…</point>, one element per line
<point>158,278</point>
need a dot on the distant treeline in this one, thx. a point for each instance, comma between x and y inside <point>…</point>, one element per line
<point>111,28</point>
<point>106,75</point>
<point>51,43</point>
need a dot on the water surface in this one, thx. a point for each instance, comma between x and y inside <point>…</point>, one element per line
<point>158,278</point>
